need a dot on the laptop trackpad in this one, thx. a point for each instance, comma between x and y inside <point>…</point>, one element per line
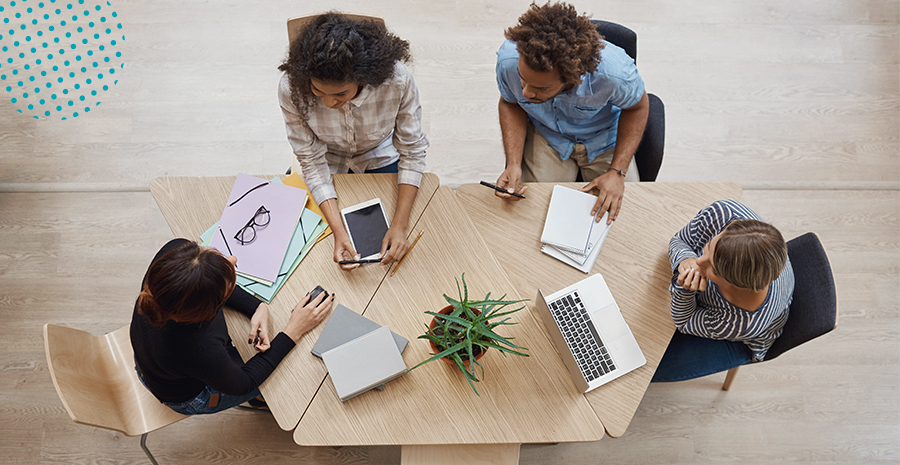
<point>610,322</point>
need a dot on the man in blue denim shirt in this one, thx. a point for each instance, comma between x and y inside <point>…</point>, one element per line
<point>570,101</point>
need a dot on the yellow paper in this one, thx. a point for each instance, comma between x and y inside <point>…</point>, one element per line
<point>295,180</point>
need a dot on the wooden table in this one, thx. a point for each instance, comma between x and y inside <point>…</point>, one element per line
<point>432,411</point>
<point>634,262</point>
<point>522,399</point>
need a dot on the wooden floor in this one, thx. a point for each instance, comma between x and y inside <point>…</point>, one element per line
<point>797,101</point>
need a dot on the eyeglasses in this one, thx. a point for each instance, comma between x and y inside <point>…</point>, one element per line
<point>260,219</point>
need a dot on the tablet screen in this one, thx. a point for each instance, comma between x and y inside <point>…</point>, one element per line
<point>367,227</point>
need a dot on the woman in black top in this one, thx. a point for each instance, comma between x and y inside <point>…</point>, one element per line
<point>182,350</point>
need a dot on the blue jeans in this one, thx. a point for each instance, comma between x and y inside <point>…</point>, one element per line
<point>689,357</point>
<point>392,168</point>
<point>199,405</point>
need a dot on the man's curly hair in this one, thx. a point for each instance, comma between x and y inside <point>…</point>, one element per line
<point>336,49</point>
<point>555,37</point>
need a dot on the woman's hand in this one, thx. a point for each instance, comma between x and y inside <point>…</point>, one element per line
<point>259,328</point>
<point>687,264</point>
<point>394,245</point>
<point>343,249</point>
<point>307,314</point>
<point>691,280</point>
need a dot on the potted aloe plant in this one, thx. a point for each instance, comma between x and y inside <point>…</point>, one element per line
<point>463,331</point>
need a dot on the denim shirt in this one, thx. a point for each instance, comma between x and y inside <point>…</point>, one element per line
<point>585,114</point>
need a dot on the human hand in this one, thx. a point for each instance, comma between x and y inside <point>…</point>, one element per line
<point>343,250</point>
<point>394,245</point>
<point>691,280</point>
<point>307,314</point>
<point>611,187</point>
<point>509,179</point>
<point>688,263</point>
<point>259,328</point>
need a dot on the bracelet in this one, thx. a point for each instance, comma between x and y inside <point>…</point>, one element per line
<point>621,173</point>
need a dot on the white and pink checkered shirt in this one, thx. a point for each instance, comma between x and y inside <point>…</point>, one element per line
<point>378,127</point>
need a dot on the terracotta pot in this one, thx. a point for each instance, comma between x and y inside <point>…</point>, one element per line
<point>446,311</point>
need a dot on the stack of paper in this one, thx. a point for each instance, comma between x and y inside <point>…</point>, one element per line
<point>280,259</point>
<point>571,234</point>
<point>345,326</point>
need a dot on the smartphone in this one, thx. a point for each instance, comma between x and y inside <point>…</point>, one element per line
<point>366,223</point>
<point>315,293</point>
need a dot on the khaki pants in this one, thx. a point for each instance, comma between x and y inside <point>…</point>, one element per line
<point>541,163</point>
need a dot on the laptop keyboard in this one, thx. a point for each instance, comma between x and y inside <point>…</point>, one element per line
<point>582,338</point>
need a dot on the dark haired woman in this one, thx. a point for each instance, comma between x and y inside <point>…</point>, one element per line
<point>732,284</point>
<point>350,104</point>
<point>182,350</point>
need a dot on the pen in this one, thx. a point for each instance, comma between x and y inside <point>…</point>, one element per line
<point>485,183</point>
<point>353,262</point>
<point>407,252</point>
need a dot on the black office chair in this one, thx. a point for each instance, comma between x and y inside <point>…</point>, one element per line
<point>813,310</point>
<point>649,154</point>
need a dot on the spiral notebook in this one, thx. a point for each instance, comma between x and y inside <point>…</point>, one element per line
<point>569,222</point>
<point>571,234</point>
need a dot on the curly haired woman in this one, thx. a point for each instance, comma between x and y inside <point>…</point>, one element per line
<point>350,104</point>
<point>570,102</point>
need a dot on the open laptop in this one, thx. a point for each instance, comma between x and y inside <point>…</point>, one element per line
<point>589,333</point>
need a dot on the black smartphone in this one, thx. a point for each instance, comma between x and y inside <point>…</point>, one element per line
<point>315,293</point>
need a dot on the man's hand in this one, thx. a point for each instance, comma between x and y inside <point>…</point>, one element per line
<point>259,328</point>
<point>394,245</point>
<point>611,187</point>
<point>509,179</point>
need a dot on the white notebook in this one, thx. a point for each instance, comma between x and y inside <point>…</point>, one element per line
<point>569,224</point>
<point>363,363</point>
<point>580,262</point>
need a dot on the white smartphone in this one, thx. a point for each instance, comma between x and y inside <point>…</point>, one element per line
<point>366,224</point>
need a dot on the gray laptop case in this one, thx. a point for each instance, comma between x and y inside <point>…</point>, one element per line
<point>345,325</point>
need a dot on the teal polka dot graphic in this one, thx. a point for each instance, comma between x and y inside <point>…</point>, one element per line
<point>58,57</point>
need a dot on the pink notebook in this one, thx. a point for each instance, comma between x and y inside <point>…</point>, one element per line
<point>262,252</point>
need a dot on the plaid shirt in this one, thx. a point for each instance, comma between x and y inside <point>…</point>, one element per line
<point>378,127</point>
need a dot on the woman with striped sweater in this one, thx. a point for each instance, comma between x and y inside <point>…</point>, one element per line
<point>731,286</point>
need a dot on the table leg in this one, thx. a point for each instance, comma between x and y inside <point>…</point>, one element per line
<point>461,454</point>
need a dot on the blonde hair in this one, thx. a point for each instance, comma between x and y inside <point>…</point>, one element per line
<point>750,254</point>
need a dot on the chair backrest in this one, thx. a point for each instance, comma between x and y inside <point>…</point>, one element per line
<point>618,35</point>
<point>813,310</point>
<point>96,381</point>
<point>296,24</point>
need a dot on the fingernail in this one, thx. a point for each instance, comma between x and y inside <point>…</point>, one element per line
<point>249,341</point>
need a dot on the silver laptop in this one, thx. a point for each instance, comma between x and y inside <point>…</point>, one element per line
<point>589,333</point>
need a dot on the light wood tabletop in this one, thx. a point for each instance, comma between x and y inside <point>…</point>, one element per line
<point>522,399</point>
<point>190,205</point>
<point>633,261</point>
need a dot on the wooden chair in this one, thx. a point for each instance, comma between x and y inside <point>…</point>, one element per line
<point>96,381</point>
<point>294,26</point>
<point>813,310</point>
<point>649,154</point>
<point>297,23</point>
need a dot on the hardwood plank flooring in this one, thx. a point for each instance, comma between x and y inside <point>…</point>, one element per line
<point>797,95</point>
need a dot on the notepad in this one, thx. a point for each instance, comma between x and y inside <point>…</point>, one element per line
<point>569,222</point>
<point>571,234</point>
<point>364,363</point>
